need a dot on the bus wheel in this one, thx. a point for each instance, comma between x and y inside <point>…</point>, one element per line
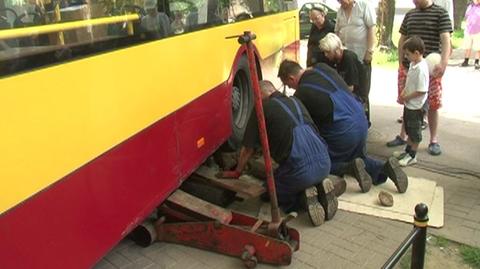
<point>242,103</point>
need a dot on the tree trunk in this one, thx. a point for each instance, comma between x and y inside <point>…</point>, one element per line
<point>385,17</point>
<point>459,8</point>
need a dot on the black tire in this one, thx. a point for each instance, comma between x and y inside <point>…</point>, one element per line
<point>242,103</point>
<point>209,193</point>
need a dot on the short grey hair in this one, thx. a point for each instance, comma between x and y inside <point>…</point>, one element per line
<point>267,87</point>
<point>320,9</point>
<point>330,42</point>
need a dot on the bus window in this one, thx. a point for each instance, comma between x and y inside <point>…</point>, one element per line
<point>197,15</point>
<point>105,25</point>
<point>272,6</point>
<point>239,10</point>
<point>255,7</point>
<point>155,24</point>
<point>178,23</point>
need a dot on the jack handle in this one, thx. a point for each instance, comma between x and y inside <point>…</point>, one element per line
<point>274,228</point>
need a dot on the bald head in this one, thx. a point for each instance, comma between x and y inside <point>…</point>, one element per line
<point>266,88</point>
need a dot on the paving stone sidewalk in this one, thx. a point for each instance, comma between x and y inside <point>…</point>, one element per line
<point>350,240</point>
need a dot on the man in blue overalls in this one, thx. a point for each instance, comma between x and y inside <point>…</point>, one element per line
<point>340,118</point>
<point>301,178</point>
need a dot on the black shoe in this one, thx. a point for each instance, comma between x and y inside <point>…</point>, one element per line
<point>464,64</point>
<point>357,170</point>
<point>327,198</point>
<point>265,197</point>
<point>477,66</point>
<point>398,141</point>
<point>339,184</point>
<point>314,208</point>
<point>396,174</point>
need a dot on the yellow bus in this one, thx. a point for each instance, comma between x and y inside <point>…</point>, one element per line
<point>107,106</point>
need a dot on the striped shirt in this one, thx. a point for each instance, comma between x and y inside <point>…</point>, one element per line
<point>428,24</point>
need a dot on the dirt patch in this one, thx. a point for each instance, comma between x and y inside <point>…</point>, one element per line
<point>441,253</point>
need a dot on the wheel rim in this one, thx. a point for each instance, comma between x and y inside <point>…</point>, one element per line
<point>240,99</point>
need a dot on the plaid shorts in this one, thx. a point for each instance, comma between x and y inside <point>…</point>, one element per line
<point>413,124</point>
<point>434,89</point>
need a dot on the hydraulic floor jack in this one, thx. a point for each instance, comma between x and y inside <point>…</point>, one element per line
<point>190,221</point>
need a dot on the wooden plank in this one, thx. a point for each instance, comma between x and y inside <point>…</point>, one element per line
<point>185,202</point>
<point>246,186</point>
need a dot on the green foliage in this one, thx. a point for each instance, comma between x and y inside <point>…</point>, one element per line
<point>388,59</point>
<point>457,39</point>
<point>471,255</point>
<point>441,241</point>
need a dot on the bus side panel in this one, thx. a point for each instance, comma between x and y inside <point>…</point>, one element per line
<point>203,127</point>
<point>79,218</point>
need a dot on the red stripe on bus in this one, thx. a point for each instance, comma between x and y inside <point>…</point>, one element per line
<point>77,220</point>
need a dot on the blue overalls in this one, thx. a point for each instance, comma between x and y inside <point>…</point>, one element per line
<point>346,137</point>
<point>307,165</point>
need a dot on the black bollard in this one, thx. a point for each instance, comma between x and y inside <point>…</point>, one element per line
<point>416,238</point>
<point>418,246</point>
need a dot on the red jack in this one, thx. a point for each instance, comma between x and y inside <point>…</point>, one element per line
<point>190,221</point>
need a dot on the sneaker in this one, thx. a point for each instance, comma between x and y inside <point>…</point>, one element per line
<point>464,64</point>
<point>407,160</point>
<point>477,66</point>
<point>327,198</point>
<point>357,170</point>
<point>395,173</point>
<point>315,211</point>
<point>399,154</point>
<point>398,141</point>
<point>339,184</point>
<point>385,198</point>
<point>434,149</point>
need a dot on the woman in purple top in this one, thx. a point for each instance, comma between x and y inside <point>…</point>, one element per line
<point>472,33</point>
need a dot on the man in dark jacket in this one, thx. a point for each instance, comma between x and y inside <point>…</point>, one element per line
<point>321,26</point>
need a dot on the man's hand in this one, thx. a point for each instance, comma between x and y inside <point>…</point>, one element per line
<point>229,174</point>
<point>367,58</point>
<point>401,98</point>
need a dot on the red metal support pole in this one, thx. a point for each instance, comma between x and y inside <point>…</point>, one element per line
<point>247,40</point>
